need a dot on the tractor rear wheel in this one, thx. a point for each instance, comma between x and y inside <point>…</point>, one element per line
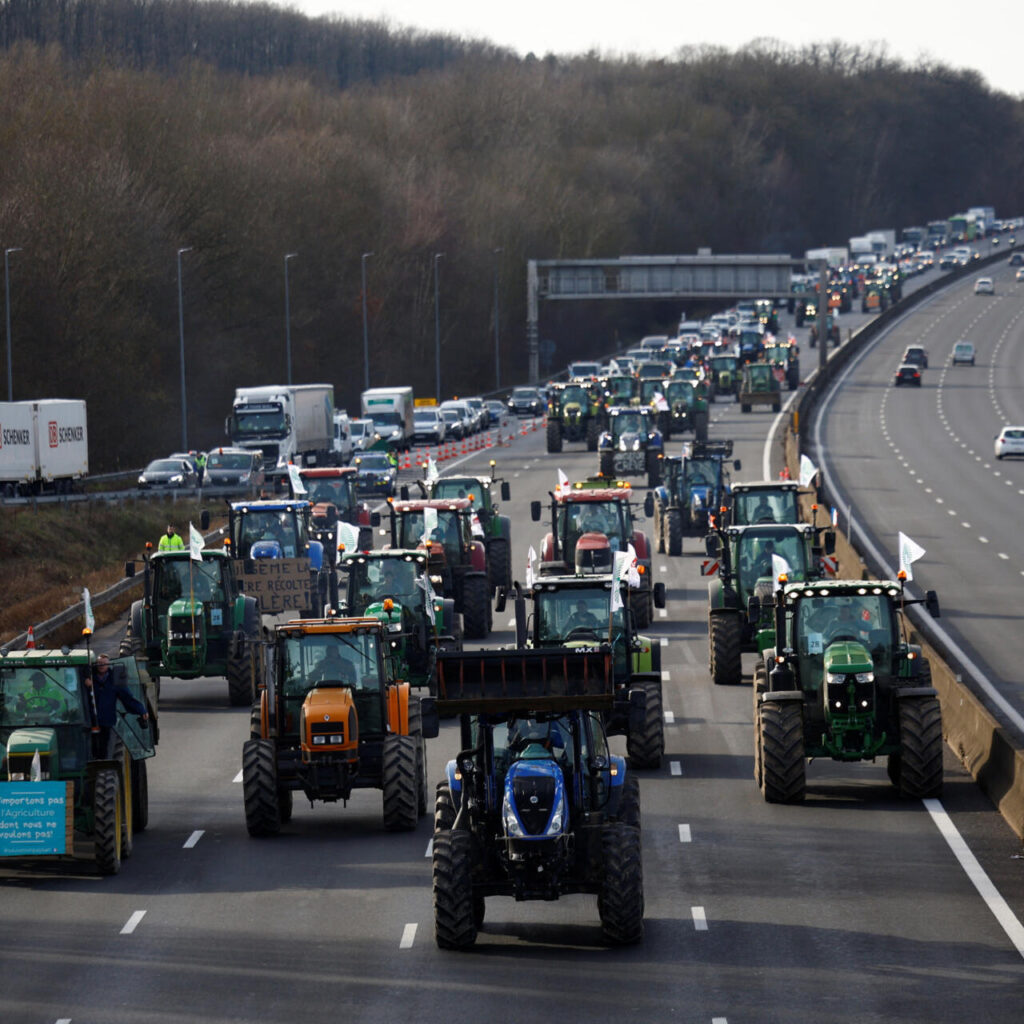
<point>640,602</point>
<point>455,924</point>
<point>499,563</point>
<point>674,522</point>
<point>919,762</point>
<point>606,464</point>
<point>724,648</point>
<point>416,732</point>
<point>285,805</point>
<point>554,436</point>
<point>399,781</point>
<point>593,433</point>
<point>444,807</point>
<point>760,686</point>
<point>784,768</point>
<point>140,795</point>
<point>621,900</point>
<point>241,674</point>
<point>700,425</point>
<point>259,788</point>
<point>629,802</point>
<point>108,821</point>
<point>659,531</point>
<point>476,607</point>
<point>646,746</point>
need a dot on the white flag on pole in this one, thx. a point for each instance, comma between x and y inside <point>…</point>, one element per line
<point>808,470</point>
<point>660,402</point>
<point>349,536</point>
<point>619,567</point>
<point>780,567</point>
<point>632,572</point>
<point>424,583</point>
<point>298,487</point>
<point>432,473</point>
<point>909,553</point>
<point>429,523</point>
<point>195,544</point>
<point>531,555</point>
<point>563,484</point>
<point>90,619</point>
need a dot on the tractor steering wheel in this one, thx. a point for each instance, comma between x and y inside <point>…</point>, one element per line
<point>579,632</point>
<point>843,636</point>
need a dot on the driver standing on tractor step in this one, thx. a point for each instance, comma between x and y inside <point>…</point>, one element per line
<point>107,691</point>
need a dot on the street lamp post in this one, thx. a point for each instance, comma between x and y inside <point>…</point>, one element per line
<point>366,329</point>
<point>181,349</point>
<point>288,318</point>
<point>437,329</point>
<point>7,293</point>
<point>497,345</point>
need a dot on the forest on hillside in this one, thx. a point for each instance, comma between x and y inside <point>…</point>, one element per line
<point>131,129</point>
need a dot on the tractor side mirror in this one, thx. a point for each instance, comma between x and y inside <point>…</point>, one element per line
<point>501,600</point>
<point>430,720</point>
<point>204,520</point>
<point>129,570</point>
<point>737,465</point>
<point>374,519</point>
<point>931,602</point>
<point>403,492</point>
<point>535,511</point>
<point>659,595</point>
<point>649,504</point>
<point>521,624</point>
<point>753,608</point>
<point>506,491</point>
<point>713,546</point>
<point>830,542</point>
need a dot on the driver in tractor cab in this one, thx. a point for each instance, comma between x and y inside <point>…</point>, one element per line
<point>394,579</point>
<point>842,621</point>
<point>582,618</point>
<point>42,698</point>
<point>334,668</point>
<point>763,512</point>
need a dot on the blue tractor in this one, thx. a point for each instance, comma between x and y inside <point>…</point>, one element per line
<point>535,806</point>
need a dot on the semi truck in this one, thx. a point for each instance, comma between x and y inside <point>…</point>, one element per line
<point>883,241</point>
<point>391,411</point>
<point>835,255</point>
<point>44,446</point>
<point>288,424</point>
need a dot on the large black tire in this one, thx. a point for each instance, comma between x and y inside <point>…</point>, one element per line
<point>416,732</point>
<point>629,803</point>
<point>259,788</point>
<point>108,821</point>
<point>399,781</point>
<point>621,900</point>
<point>674,529</point>
<point>700,425</point>
<point>499,563</point>
<point>759,687</point>
<point>919,764</point>
<point>554,436</point>
<point>241,675</point>
<point>285,805</point>
<point>606,464</point>
<point>455,924</point>
<point>140,796</point>
<point>724,649</point>
<point>646,745</point>
<point>640,605</point>
<point>653,470</point>
<point>444,808</point>
<point>593,433</point>
<point>476,607</point>
<point>659,531</point>
<point>784,768</point>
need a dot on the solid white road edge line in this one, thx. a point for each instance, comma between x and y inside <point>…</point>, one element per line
<point>193,839</point>
<point>133,922</point>
<point>700,921</point>
<point>976,873</point>
<point>408,937</point>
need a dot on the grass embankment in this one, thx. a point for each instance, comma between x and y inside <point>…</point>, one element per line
<point>49,553</point>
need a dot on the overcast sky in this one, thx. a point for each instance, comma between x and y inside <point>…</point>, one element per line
<point>985,40</point>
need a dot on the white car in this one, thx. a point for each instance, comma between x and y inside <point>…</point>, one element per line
<point>963,352</point>
<point>1009,441</point>
<point>984,286</point>
<point>427,425</point>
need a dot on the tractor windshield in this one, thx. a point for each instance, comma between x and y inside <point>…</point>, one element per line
<point>627,423</point>
<point>333,490</point>
<point>574,613</point>
<point>573,519</point>
<point>764,507</point>
<point>574,393</point>
<point>176,578</point>
<point>372,580</point>
<point>701,472</point>
<point>532,738</point>
<point>41,696</point>
<point>865,618</point>
<point>282,529</point>
<point>755,551</point>
<point>620,389</point>
<point>680,391</point>
<point>461,488</point>
<point>453,531</point>
<point>326,659</point>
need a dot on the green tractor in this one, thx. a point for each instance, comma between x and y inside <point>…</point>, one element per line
<point>841,680</point>
<point>575,413</point>
<point>393,586</point>
<point>746,560</point>
<point>765,501</point>
<point>759,385</point>
<point>724,375</point>
<point>193,620</point>
<point>69,789</point>
<point>493,529</point>
<point>681,406</point>
<point>785,356</point>
<point>619,389</point>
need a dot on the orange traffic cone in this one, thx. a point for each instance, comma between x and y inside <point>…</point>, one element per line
<point>30,643</point>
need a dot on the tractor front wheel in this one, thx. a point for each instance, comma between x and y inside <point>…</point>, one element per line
<point>259,788</point>
<point>444,807</point>
<point>455,918</point>
<point>621,901</point>
<point>724,643</point>
<point>783,768</point>
<point>476,607</point>
<point>645,745</point>
<point>108,819</point>
<point>554,436</point>
<point>399,781</point>
<point>918,765</point>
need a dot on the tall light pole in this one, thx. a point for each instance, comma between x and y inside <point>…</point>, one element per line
<point>366,329</point>
<point>181,348</point>
<point>497,345</point>
<point>437,329</point>
<point>288,318</point>
<point>7,293</point>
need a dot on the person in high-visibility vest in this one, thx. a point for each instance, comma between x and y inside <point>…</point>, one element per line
<point>43,699</point>
<point>171,541</point>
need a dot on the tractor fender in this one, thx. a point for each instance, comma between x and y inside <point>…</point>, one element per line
<point>642,546</point>
<point>905,692</point>
<point>478,556</point>
<point>505,525</point>
<point>781,697</point>
<point>398,708</point>
<point>547,548</point>
<point>720,597</point>
<point>454,781</point>
<point>316,555</point>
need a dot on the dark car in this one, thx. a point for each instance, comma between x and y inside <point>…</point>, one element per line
<point>169,473</point>
<point>917,355</point>
<point>526,402</point>
<point>375,474</point>
<point>908,373</point>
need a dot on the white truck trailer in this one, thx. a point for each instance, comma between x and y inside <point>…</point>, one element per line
<point>391,410</point>
<point>44,446</point>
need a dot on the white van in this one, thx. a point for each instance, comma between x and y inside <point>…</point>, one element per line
<point>343,446</point>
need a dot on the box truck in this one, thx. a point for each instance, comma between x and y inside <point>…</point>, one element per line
<point>44,446</point>
<point>391,411</point>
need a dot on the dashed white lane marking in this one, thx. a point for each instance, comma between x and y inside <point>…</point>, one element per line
<point>194,838</point>
<point>133,922</point>
<point>700,921</point>
<point>64,1020</point>
<point>511,623</point>
<point>664,641</point>
<point>666,676</point>
<point>684,834</point>
<point>663,613</point>
<point>663,568</point>
<point>675,768</point>
<point>719,1020</point>
<point>408,936</point>
<point>670,718</point>
<point>237,778</point>
<point>976,873</point>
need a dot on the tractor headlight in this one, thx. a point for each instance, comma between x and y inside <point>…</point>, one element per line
<point>636,445</point>
<point>865,677</point>
<point>513,829</point>
<point>557,818</point>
